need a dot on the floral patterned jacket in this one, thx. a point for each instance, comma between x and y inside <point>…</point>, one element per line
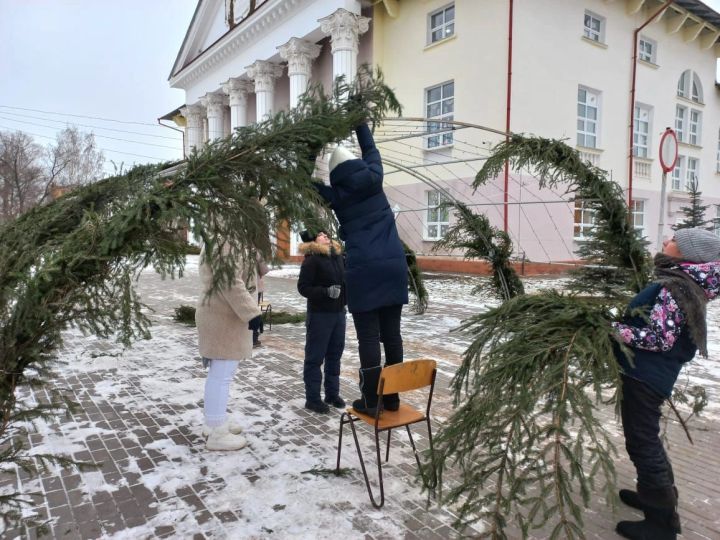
<point>660,341</point>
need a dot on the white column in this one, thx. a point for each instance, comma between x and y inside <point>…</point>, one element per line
<point>194,129</point>
<point>344,29</point>
<point>264,74</point>
<point>214,103</point>
<point>238,89</point>
<point>299,54</point>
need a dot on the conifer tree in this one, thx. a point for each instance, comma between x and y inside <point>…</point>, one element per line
<point>695,213</point>
<point>524,434</point>
<point>72,263</point>
<point>416,281</point>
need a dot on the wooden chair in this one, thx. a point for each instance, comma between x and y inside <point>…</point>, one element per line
<point>410,375</point>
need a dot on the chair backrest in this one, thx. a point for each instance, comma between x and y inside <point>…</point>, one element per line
<point>406,376</point>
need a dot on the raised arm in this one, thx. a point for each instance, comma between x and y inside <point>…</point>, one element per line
<point>370,153</point>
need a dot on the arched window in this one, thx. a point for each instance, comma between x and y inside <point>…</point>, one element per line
<point>690,87</point>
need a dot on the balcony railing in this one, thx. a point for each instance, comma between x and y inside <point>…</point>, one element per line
<point>589,155</point>
<point>642,167</point>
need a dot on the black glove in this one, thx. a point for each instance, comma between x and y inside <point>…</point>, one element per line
<point>333,291</point>
<point>256,323</point>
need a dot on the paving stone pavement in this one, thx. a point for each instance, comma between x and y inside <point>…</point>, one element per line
<point>140,419</point>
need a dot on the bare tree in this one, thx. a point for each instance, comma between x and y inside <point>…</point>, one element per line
<point>23,182</point>
<point>28,173</point>
<point>75,159</point>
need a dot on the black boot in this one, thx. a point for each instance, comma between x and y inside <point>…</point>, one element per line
<point>391,402</point>
<point>659,524</point>
<point>632,499</point>
<point>367,404</point>
<point>661,518</point>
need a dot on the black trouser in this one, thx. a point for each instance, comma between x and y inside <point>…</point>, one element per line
<point>372,327</point>
<point>256,333</point>
<point>324,344</point>
<point>641,424</point>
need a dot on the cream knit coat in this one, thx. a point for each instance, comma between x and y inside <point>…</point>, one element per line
<point>222,318</point>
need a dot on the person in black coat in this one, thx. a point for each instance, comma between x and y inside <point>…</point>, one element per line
<point>321,281</point>
<point>376,274</point>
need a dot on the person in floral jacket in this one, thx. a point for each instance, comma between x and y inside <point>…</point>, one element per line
<point>664,326</point>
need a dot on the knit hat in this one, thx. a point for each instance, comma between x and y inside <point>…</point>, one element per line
<point>339,155</point>
<point>311,236</point>
<point>698,245</point>
<point>307,236</point>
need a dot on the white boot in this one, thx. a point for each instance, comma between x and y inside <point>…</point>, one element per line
<point>232,425</point>
<point>220,438</point>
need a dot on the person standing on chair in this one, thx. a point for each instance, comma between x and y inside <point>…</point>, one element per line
<point>225,323</point>
<point>376,272</point>
<point>668,333</point>
<point>321,281</point>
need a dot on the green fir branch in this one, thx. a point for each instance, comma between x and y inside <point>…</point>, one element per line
<point>73,262</point>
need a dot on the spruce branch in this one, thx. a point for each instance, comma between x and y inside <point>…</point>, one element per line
<point>73,262</point>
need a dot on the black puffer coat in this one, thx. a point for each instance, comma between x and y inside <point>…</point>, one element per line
<point>377,272</point>
<point>323,267</point>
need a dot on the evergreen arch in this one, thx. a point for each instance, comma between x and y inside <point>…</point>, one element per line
<point>525,434</point>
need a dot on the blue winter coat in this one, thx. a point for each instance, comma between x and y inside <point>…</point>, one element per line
<point>376,272</point>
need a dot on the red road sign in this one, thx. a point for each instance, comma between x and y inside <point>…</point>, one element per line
<point>668,150</point>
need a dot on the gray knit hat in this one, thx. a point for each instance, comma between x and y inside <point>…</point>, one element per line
<point>698,245</point>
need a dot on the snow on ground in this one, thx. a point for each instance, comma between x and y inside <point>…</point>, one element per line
<point>267,480</point>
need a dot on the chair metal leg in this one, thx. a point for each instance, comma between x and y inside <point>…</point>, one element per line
<point>432,457</point>
<point>362,466</point>
<point>342,425</point>
<point>387,451</point>
<point>412,442</point>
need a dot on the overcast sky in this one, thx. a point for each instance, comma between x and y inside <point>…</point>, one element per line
<point>98,58</point>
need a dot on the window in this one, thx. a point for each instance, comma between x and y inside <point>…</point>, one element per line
<point>594,29</point>
<point>638,216</point>
<point>441,24</point>
<point>696,94</point>
<point>694,127</point>
<point>690,87</point>
<point>587,121</point>
<point>693,172</point>
<point>680,122</point>
<point>437,219</point>
<point>647,49</point>
<point>584,220</point>
<point>440,104</point>
<point>641,131</point>
<point>677,174</point>
<point>683,89</point>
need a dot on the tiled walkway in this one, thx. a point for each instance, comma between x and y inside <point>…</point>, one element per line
<point>140,417</point>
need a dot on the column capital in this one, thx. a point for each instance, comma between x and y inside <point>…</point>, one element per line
<point>299,53</point>
<point>194,114</point>
<point>237,89</point>
<point>264,74</point>
<point>214,103</point>
<point>344,28</point>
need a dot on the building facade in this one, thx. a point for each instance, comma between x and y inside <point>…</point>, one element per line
<point>465,71</point>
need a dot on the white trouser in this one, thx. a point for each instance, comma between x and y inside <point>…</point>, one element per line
<point>217,391</point>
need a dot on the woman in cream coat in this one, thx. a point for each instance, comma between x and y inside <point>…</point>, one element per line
<point>225,322</point>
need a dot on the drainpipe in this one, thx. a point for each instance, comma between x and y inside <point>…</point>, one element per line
<point>632,97</point>
<point>507,117</point>
<point>182,131</point>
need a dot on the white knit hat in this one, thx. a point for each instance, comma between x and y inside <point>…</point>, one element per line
<point>339,155</point>
<point>698,245</point>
